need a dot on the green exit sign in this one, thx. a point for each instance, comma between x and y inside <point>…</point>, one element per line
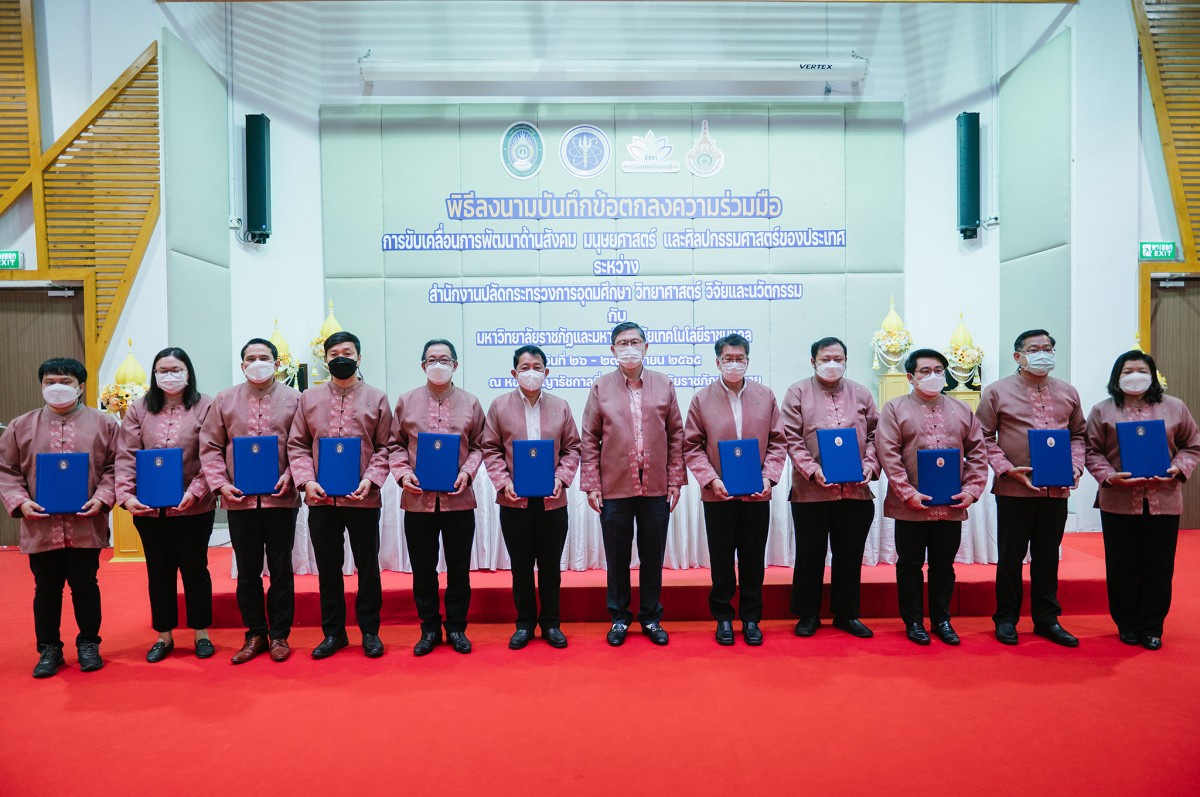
<point>1158,250</point>
<point>10,258</point>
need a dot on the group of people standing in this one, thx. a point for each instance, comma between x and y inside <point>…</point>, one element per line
<point>631,451</point>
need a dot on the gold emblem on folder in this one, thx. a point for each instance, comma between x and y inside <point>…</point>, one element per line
<point>533,452</point>
<point>1141,431</point>
<point>254,448</point>
<point>941,462</point>
<point>340,447</point>
<point>63,464</point>
<point>437,445</point>
<point>158,462</point>
<point>1050,442</point>
<point>737,451</point>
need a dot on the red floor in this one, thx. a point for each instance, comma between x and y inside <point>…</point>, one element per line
<point>830,713</point>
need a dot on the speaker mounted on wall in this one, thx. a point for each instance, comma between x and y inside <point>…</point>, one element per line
<point>968,175</point>
<point>258,178</point>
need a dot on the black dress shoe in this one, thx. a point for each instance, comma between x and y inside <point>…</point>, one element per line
<point>89,656</point>
<point>854,627</point>
<point>159,651</point>
<point>616,634</point>
<point>917,633</point>
<point>657,634</point>
<point>458,640</point>
<point>1151,642</point>
<point>1130,637</point>
<point>808,626</point>
<point>372,646</point>
<point>330,645</point>
<point>725,632</point>
<point>1057,634</point>
<point>428,641</point>
<point>48,663</point>
<point>555,637</point>
<point>945,632</point>
<point>204,648</point>
<point>519,639</point>
<point>752,633</point>
<point>1007,633</point>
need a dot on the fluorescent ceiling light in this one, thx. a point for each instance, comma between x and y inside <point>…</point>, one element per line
<point>611,71</point>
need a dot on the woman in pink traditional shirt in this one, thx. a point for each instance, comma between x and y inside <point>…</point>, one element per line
<point>1139,516</point>
<point>175,539</point>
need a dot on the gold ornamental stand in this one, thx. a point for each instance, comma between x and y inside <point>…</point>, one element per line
<point>127,544</point>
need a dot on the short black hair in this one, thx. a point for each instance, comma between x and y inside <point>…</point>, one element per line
<point>1155,392</point>
<point>1032,333</point>
<point>830,341</point>
<point>625,326</point>
<point>260,342</point>
<point>63,366</point>
<point>343,337</point>
<point>529,349</point>
<point>910,365</point>
<point>155,398</point>
<point>439,342</point>
<point>734,340</point>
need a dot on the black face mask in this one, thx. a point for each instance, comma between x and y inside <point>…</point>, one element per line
<point>342,367</point>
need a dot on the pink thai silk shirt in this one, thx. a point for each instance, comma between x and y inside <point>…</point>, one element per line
<point>175,426</point>
<point>43,431</point>
<point>1104,455</point>
<point>810,405</point>
<point>1009,408</point>
<point>710,420</point>
<point>247,411</point>
<point>327,410</point>
<point>909,424</point>
<point>454,412</point>
<point>632,437</point>
<point>506,421</point>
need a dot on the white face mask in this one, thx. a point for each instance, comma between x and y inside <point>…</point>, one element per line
<point>172,383</point>
<point>630,356</point>
<point>531,380</point>
<point>831,370</point>
<point>259,370</point>
<point>932,384</point>
<point>439,374</point>
<point>1039,363</point>
<point>60,396</point>
<point>733,371</point>
<point>1135,383</point>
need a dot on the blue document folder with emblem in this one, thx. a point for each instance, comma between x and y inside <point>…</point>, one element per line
<point>62,483</point>
<point>339,465</point>
<point>533,468</point>
<point>741,467</point>
<point>256,464</point>
<point>1144,451</point>
<point>840,460</point>
<point>437,461</point>
<point>160,477</point>
<point>939,475</point>
<point>1050,457</point>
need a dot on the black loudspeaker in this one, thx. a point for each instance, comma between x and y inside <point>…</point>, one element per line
<point>968,175</point>
<point>258,178</point>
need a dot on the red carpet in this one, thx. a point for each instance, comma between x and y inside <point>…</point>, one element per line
<point>829,713</point>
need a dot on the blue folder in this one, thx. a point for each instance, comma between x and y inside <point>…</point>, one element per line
<point>939,475</point>
<point>1144,451</point>
<point>741,467</point>
<point>256,464</point>
<point>339,465</point>
<point>437,461</point>
<point>160,477</point>
<point>62,483</point>
<point>840,460</point>
<point>533,468</point>
<point>1050,456</point>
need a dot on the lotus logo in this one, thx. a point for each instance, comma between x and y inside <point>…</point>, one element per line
<point>649,153</point>
<point>63,464</point>
<point>941,462</point>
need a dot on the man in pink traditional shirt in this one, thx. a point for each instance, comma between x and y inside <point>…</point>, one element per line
<point>927,419</point>
<point>1029,519</point>
<point>632,470</point>
<point>63,548</point>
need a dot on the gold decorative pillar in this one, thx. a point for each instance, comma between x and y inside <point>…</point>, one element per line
<point>127,544</point>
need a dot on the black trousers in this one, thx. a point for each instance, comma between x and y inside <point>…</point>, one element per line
<point>1139,560</point>
<point>842,527</point>
<point>253,533</point>
<point>651,514</point>
<point>52,570</point>
<point>535,536</point>
<point>327,526</point>
<point>737,528</point>
<point>177,546</point>
<point>1034,525</point>
<point>457,530</point>
<point>940,538</point>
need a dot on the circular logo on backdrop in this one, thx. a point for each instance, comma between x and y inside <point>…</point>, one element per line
<point>585,151</point>
<point>63,464</point>
<point>522,150</point>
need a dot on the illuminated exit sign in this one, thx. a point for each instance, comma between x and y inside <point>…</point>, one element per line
<point>1158,250</point>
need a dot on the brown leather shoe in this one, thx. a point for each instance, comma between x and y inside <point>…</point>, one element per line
<point>254,645</point>
<point>280,650</point>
